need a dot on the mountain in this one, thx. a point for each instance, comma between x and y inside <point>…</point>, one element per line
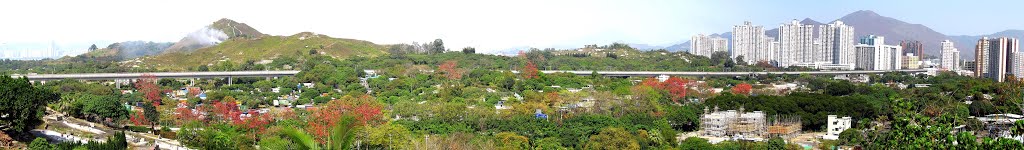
<point>966,43</point>
<point>234,43</point>
<point>644,46</point>
<point>212,34</point>
<point>866,22</point>
<point>774,32</point>
<point>684,46</point>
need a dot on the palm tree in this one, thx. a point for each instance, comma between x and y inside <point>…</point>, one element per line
<point>340,138</point>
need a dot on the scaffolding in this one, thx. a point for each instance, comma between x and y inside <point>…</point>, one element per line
<point>715,123</point>
<point>784,126</point>
<point>738,124</point>
<point>748,125</point>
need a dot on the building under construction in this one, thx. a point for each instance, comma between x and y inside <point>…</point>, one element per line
<point>747,125</point>
<point>784,126</point>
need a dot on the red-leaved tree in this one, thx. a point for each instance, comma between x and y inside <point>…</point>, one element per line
<point>227,111</point>
<point>183,115</point>
<point>364,109</point>
<point>652,82</point>
<point>139,119</point>
<point>255,122</point>
<point>530,70</point>
<point>147,86</point>
<point>450,70</point>
<point>742,88</point>
<point>677,87</point>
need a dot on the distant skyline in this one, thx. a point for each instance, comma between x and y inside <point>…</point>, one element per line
<point>486,25</point>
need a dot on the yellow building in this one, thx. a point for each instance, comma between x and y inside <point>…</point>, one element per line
<point>911,62</point>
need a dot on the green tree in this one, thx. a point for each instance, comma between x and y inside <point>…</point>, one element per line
<point>469,50</point>
<point>386,136</point>
<point>549,143</point>
<point>612,138</point>
<point>93,47</point>
<point>851,137</point>
<point>103,107</point>
<point>684,118</point>
<point>776,144</point>
<point>203,68</point>
<point>340,138</point>
<point>263,85</point>
<point>511,141</point>
<point>1017,128</point>
<point>437,46</point>
<point>39,144</point>
<point>719,58</point>
<point>729,63</point>
<point>695,143</point>
<point>22,104</point>
<point>151,114</point>
<point>275,142</point>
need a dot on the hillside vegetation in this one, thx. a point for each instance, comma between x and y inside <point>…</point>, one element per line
<point>129,49</point>
<point>243,50</point>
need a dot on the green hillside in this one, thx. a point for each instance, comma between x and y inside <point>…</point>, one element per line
<point>240,50</point>
<point>129,49</point>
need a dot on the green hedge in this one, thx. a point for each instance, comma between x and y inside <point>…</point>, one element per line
<point>138,129</point>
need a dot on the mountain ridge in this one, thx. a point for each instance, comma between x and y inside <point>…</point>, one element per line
<point>213,34</point>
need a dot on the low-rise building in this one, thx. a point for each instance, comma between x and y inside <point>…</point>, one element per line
<point>911,62</point>
<point>998,125</point>
<point>859,78</point>
<point>836,126</point>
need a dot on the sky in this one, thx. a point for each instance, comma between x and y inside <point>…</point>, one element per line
<point>487,25</point>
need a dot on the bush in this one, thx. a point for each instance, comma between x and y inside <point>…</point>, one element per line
<point>695,143</point>
<point>39,144</point>
<point>168,134</point>
<point>549,143</point>
<point>138,129</point>
<point>116,142</point>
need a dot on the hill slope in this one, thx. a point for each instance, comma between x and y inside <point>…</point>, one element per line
<point>212,34</point>
<point>241,50</point>
<point>866,22</point>
<point>966,43</point>
<point>130,49</point>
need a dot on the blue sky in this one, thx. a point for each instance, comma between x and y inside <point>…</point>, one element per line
<point>487,25</point>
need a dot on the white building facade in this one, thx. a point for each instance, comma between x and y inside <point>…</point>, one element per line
<point>706,45</point>
<point>749,41</point>
<point>796,43</point>
<point>838,41</point>
<point>873,54</point>
<point>1017,64</point>
<point>950,56</point>
<point>836,126</point>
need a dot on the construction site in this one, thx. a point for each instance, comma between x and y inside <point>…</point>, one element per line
<point>742,125</point>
